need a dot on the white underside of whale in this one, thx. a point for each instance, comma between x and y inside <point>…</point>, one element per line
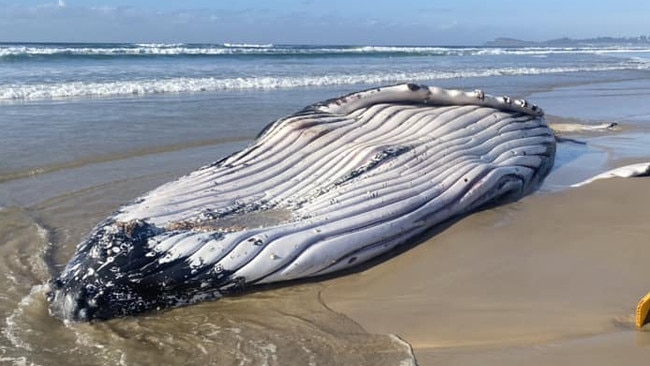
<point>347,180</point>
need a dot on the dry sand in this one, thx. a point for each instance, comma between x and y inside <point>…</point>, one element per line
<point>552,279</point>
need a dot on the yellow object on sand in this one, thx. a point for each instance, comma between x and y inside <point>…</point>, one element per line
<point>642,311</point>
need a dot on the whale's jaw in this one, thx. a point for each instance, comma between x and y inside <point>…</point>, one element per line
<point>114,273</point>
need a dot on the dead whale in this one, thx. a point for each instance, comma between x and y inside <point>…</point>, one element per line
<point>325,189</point>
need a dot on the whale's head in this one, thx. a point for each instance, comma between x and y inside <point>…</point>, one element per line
<point>116,272</point>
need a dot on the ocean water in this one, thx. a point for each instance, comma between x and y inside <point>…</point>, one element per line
<point>53,71</point>
<point>85,128</point>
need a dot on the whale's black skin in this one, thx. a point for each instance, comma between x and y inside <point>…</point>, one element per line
<point>129,281</point>
<point>332,186</point>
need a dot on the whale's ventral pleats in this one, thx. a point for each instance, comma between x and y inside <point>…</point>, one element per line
<point>319,191</point>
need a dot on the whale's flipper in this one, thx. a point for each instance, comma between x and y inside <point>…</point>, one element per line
<point>632,170</point>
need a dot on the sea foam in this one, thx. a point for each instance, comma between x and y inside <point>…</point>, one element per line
<point>17,51</point>
<point>77,89</point>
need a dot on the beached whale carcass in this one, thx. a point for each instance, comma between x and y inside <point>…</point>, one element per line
<point>322,190</point>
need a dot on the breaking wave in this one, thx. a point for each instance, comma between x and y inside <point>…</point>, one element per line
<point>140,87</point>
<point>18,52</point>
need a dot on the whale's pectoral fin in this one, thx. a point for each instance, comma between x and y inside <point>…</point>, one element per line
<point>581,127</point>
<point>643,311</point>
<point>628,171</point>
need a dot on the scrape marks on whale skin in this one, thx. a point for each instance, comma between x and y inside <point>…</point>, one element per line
<point>332,186</point>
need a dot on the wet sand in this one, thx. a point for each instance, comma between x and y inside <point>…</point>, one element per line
<point>551,279</point>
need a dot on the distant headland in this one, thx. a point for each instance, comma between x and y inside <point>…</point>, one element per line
<point>569,42</point>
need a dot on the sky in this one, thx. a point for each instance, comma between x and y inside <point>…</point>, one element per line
<point>356,22</point>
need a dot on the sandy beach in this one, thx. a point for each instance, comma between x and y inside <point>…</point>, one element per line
<point>552,279</point>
